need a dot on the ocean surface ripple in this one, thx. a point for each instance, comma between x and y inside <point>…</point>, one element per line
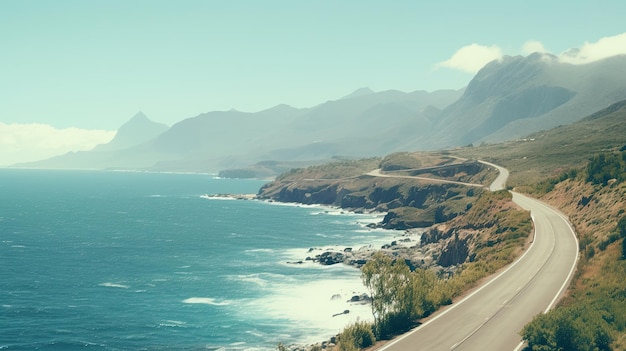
<point>120,260</point>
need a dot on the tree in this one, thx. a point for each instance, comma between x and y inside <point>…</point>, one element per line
<point>399,296</point>
<point>388,282</point>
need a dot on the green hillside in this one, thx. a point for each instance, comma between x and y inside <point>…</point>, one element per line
<point>547,154</point>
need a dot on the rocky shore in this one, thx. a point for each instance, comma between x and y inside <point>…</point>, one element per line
<point>230,196</point>
<point>459,233</point>
<point>429,248</point>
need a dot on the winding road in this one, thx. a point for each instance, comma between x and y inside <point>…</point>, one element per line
<point>491,317</point>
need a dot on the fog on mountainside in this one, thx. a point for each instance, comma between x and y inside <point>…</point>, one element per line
<point>516,96</point>
<point>507,99</point>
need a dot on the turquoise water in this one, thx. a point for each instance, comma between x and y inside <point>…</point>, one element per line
<point>130,261</point>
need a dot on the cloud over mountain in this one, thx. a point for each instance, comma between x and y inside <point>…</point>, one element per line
<point>533,46</point>
<point>591,52</point>
<point>471,58</point>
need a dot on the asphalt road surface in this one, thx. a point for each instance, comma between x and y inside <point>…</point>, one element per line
<point>491,317</point>
<point>500,182</point>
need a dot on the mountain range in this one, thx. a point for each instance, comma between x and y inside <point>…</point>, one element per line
<point>507,99</point>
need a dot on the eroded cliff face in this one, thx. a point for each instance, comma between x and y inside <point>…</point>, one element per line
<point>410,203</point>
<point>493,227</point>
<point>462,224</point>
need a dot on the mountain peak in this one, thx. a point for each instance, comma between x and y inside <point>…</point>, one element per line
<point>137,130</point>
<point>139,116</point>
<point>359,92</point>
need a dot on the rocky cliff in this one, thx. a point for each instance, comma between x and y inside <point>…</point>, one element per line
<point>463,223</point>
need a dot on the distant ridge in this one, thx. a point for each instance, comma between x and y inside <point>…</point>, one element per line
<point>506,100</point>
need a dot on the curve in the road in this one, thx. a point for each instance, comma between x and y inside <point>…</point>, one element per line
<point>493,314</point>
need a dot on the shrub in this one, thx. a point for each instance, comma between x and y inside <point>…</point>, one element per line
<point>621,227</point>
<point>605,167</point>
<point>569,328</point>
<point>355,337</point>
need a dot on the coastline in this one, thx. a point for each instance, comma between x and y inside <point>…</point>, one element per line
<point>350,301</point>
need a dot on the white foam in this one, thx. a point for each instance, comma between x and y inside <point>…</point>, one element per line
<point>213,197</point>
<point>114,285</point>
<point>292,204</point>
<point>206,301</point>
<point>260,279</point>
<point>172,323</point>
<point>260,250</point>
<point>315,307</point>
<point>183,273</point>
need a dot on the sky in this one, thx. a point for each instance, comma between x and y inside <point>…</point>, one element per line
<point>72,72</point>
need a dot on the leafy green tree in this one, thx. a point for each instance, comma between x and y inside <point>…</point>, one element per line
<point>399,296</point>
<point>388,282</point>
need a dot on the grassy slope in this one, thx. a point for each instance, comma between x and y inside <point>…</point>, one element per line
<point>599,281</point>
<point>548,153</point>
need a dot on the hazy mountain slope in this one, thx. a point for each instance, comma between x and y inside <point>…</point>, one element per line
<point>137,130</point>
<point>518,95</point>
<point>369,118</point>
<point>507,99</point>
<point>361,124</point>
<point>219,139</point>
<point>596,84</point>
<point>122,152</point>
<point>547,153</point>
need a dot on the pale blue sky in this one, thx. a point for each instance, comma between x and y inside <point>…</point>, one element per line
<point>93,64</point>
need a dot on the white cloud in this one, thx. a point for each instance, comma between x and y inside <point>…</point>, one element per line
<point>533,46</point>
<point>601,49</point>
<point>33,142</point>
<point>472,58</point>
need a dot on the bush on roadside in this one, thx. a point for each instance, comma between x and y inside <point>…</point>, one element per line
<point>355,337</point>
<point>575,328</point>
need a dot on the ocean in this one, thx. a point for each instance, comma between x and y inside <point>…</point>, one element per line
<point>144,261</point>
